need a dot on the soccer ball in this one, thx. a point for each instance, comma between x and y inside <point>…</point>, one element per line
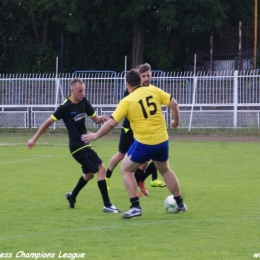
<point>170,204</point>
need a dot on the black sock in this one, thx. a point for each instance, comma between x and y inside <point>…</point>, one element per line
<point>178,199</point>
<point>103,190</point>
<point>139,175</point>
<point>80,185</point>
<point>134,202</point>
<point>109,173</point>
<point>154,176</point>
<point>151,169</point>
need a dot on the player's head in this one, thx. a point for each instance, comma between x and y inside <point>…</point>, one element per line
<point>133,79</point>
<point>77,89</point>
<point>145,73</point>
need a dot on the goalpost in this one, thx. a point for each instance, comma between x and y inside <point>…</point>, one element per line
<point>57,87</point>
<point>194,92</point>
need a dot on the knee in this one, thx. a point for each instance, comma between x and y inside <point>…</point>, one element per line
<point>124,170</point>
<point>101,171</point>
<point>121,156</point>
<point>88,176</point>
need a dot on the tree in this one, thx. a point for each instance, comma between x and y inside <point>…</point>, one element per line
<point>98,34</point>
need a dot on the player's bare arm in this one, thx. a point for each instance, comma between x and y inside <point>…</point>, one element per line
<point>175,113</point>
<point>42,128</point>
<point>100,119</point>
<point>106,128</point>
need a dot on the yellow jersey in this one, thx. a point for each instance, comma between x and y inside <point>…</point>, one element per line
<point>143,108</point>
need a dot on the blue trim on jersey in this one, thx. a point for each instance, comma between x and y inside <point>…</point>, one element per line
<point>141,153</point>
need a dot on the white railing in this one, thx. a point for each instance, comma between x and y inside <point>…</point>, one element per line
<point>206,100</point>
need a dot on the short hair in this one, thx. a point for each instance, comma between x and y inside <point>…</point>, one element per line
<point>74,81</point>
<point>143,67</point>
<point>133,78</point>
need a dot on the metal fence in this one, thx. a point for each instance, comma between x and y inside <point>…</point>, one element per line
<point>218,100</point>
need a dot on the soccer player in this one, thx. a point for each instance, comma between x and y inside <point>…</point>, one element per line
<point>143,109</point>
<point>126,140</point>
<point>73,111</point>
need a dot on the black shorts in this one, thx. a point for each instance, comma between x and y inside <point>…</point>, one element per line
<point>126,140</point>
<point>88,159</point>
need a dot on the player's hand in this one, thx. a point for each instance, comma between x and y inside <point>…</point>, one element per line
<point>30,143</point>
<point>175,123</point>
<point>89,137</point>
<point>104,118</point>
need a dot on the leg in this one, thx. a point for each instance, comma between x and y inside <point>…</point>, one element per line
<point>91,163</point>
<point>112,165</point>
<point>154,176</point>
<point>151,170</point>
<point>101,180</point>
<point>127,169</point>
<point>169,177</point>
<point>83,180</point>
<point>81,183</point>
<point>102,185</point>
<point>140,173</point>
<point>126,139</point>
<point>172,183</point>
<point>118,157</point>
<point>140,176</point>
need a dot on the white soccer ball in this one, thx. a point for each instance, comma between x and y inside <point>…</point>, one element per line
<point>170,204</point>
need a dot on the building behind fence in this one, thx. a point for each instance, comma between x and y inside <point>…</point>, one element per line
<point>207,100</point>
<point>229,48</point>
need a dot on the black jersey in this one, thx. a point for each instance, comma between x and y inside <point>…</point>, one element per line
<point>74,117</point>
<point>126,123</point>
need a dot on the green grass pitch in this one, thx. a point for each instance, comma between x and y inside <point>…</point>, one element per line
<point>219,181</point>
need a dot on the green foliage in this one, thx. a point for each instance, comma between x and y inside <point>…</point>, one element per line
<point>98,34</point>
<point>11,30</point>
<point>242,10</point>
<point>37,56</point>
<point>158,52</point>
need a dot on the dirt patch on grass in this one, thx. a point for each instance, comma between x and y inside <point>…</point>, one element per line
<point>216,138</point>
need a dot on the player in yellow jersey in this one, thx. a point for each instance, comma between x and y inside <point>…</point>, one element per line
<point>142,107</point>
<point>126,140</point>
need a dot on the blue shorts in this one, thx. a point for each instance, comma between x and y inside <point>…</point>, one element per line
<point>141,153</point>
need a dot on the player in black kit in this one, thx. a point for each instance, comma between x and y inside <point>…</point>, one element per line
<point>73,112</point>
